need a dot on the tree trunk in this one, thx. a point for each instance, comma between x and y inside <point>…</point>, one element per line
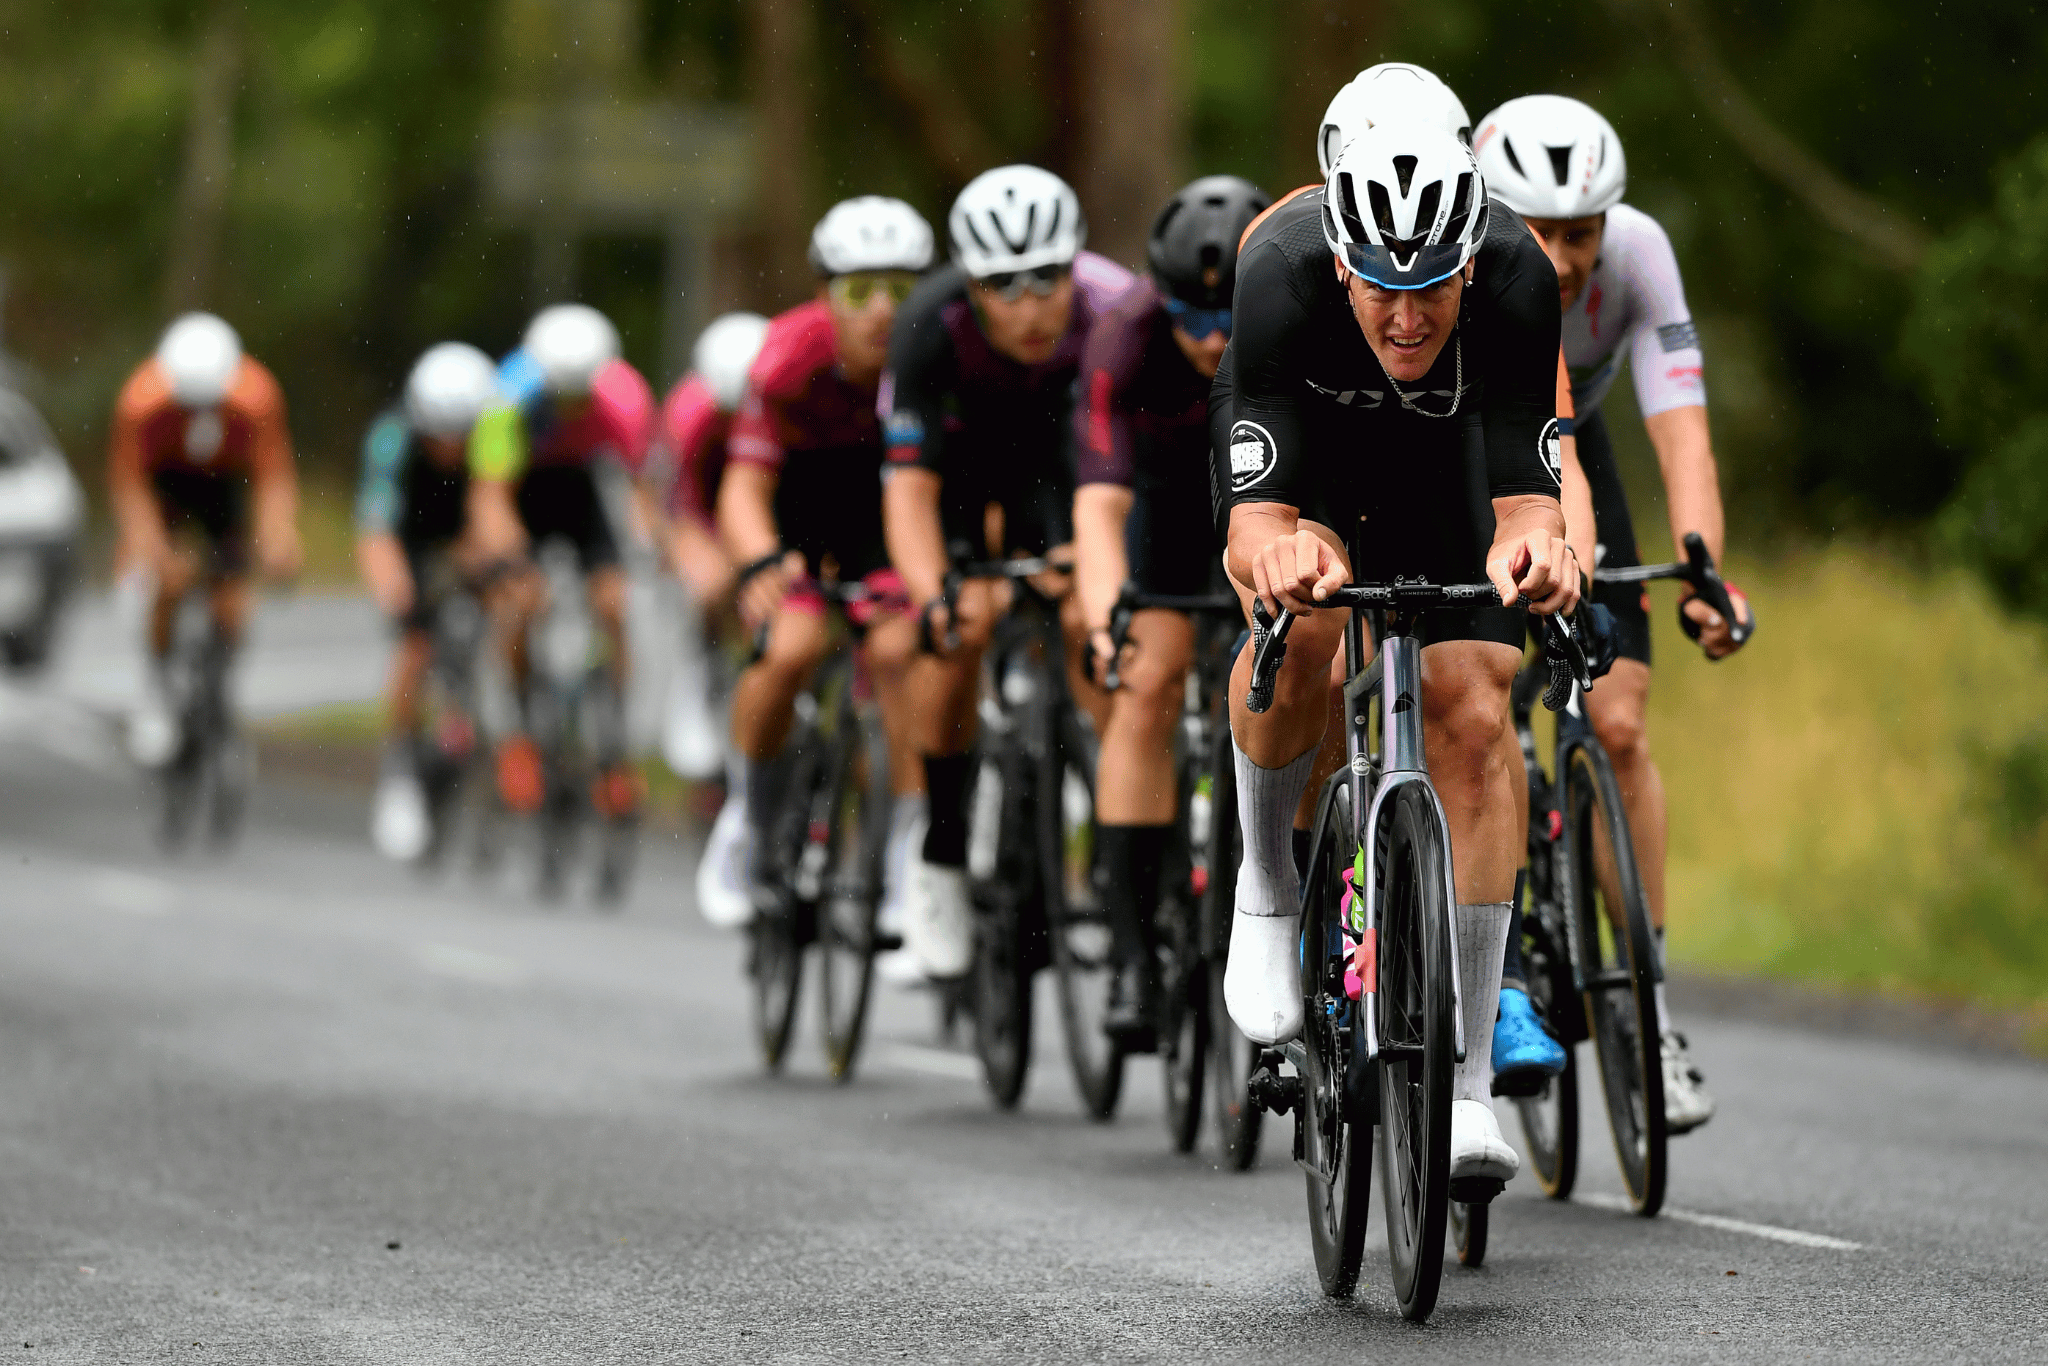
<point>781,34</point>
<point>192,273</point>
<point>1327,42</point>
<point>1133,121</point>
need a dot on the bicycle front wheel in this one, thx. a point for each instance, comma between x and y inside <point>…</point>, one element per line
<point>1617,967</point>
<point>1082,947</point>
<point>1232,1057</point>
<point>851,895</point>
<point>1335,1142</point>
<point>1417,1043</point>
<point>1002,885</point>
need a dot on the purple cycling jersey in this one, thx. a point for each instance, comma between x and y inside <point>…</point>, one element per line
<point>949,396</point>
<point>1142,411</point>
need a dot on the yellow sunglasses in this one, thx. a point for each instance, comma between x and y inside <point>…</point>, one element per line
<point>858,289</point>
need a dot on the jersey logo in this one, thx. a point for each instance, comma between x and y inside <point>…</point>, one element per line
<point>904,428</point>
<point>1252,455</point>
<point>1364,398</point>
<point>1678,337</point>
<point>1550,449</point>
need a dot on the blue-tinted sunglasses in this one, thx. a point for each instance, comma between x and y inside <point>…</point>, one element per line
<point>1198,322</point>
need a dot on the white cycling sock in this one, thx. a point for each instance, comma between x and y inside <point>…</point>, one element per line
<point>906,835</point>
<point>1266,798</point>
<point>1663,1007</point>
<point>1482,938</point>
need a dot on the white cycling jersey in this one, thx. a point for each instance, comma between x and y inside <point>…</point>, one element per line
<point>1633,299</point>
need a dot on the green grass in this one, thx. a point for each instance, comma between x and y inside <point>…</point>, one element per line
<point>1860,798</point>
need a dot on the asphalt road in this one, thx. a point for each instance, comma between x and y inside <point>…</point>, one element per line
<point>295,1104</point>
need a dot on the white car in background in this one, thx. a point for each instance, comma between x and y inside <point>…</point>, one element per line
<point>42,510</point>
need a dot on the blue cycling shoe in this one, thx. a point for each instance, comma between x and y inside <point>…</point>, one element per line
<point>1524,1054</point>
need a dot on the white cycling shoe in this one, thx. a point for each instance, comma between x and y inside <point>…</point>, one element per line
<point>1262,980</point>
<point>899,967</point>
<point>400,825</point>
<point>723,896</point>
<point>1686,1102</point>
<point>938,925</point>
<point>153,730</point>
<point>1478,1152</point>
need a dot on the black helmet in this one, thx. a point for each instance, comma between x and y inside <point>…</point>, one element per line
<point>1193,250</point>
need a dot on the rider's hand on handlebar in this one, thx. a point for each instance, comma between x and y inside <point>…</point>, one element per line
<point>1101,651</point>
<point>1715,637</point>
<point>760,597</point>
<point>1297,572</point>
<point>1538,566</point>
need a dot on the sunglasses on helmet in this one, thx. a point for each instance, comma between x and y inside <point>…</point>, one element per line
<point>858,289</point>
<point>1009,285</point>
<point>1198,322</point>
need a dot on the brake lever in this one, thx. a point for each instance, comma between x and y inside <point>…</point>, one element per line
<point>1706,581</point>
<point>1269,652</point>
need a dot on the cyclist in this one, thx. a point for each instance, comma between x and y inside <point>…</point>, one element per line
<point>1141,439</point>
<point>1393,360</point>
<point>690,448</point>
<point>975,405</point>
<point>199,445</point>
<point>566,401</point>
<point>1559,164</point>
<point>801,499</point>
<point>411,509</point>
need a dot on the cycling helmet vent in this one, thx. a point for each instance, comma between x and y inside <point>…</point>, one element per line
<point>1193,246</point>
<point>1386,93</point>
<point>871,232</point>
<point>1513,160</point>
<point>1588,166</point>
<point>1404,167</point>
<point>1411,171</point>
<point>1382,209</point>
<point>1561,164</point>
<point>1015,218</point>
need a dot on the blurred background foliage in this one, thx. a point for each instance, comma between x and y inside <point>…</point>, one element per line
<point>1858,195</point>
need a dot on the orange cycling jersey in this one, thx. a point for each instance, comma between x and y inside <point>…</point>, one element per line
<point>246,434</point>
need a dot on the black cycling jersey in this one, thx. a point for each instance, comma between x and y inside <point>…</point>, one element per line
<point>1312,413</point>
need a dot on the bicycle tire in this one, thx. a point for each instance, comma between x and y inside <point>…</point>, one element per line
<point>852,893</point>
<point>1333,1141</point>
<point>1469,1224</point>
<point>1617,970</point>
<point>1184,1053</point>
<point>1076,923</point>
<point>1417,1043</point>
<point>1185,1024</point>
<point>1550,1118</point>
<point>1232,1057</point>
<point>778,968</point>
<point>1003,962</point>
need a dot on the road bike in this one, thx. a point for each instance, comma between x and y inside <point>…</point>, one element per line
<point>451,754</point>
<point>1379,901</point>
<point>1201,1051</point>
<point>207,778</point>
<point>826,843</point>
<point>1031,847</point>
<point>1588,949</point>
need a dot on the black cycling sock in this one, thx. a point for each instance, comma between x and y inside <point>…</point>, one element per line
<point>767,784</point>
<point>945,782</point>
<point>1300,843</point>
<point>1129,859</point>
<point>1512,973</point>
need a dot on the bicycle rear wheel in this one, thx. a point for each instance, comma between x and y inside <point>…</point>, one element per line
<point>1417,1043</point>
<point>1083,955</point>
<point>1002,877</point>
<point>1232,1057</point>
<point>778,967</point>
<point>1617,967</point>
<point>1468,1231</point>
<point>857,830</point>
<point>1550,1118</point>
<point>1335,1142</point>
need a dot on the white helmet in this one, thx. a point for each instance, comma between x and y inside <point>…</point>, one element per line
<point>571,343</point>
<point>1391,90</point>
<point>1015,218</point>
<point>199,354</point>
<point>1405,205</point>
<point>724,353</point>
<point>449,388</point>
<point>871,233</point>
<point>1552,157</point>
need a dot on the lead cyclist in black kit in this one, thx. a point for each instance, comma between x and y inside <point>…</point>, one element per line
<point>1393,359</point>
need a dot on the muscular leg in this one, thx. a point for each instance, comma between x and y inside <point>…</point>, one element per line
<point>172,585</point>
<point>891,654</point>
<point>946,687</point>
<point>1617,709</point>
<point>606,587</point>
<point>409,664</point>
<point>764,699</point>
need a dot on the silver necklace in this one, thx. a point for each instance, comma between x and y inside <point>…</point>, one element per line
<point>1457,394</point>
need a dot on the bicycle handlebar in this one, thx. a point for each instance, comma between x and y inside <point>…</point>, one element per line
<point>1699,571</point>
<point>1561,648</point>
<point>962,570</point>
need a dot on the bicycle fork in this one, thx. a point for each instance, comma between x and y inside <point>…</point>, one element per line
<point>1402,764</point>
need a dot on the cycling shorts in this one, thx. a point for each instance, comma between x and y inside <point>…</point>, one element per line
<point>561,501</point>
<point>1169,539</point>
<point>435,579</point>
<point>216,505</point>
<point>828,506</point>
<point>1630,602</point>
<point>1037,511</point>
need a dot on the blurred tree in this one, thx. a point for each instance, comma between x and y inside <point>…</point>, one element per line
<point>781,39</point>
<point>1131,148</point>
<point>192,274</point>
<point>1978,334</point>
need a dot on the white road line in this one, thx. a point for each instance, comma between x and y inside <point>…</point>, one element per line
<point>1797,1237</point>
<point>117,889</point>
<point>470,965</point>
<point>936,1062</point>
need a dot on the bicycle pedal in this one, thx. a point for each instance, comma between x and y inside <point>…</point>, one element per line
<point>1273,1093</point>
<point>887,943</point>
<point>1522,1083</point>
<point>1476,1190</point>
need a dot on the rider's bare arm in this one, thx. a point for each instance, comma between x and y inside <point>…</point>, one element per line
<point>273,474</point>
<point>1285,564</point>
<point>382,562</point>
<point>1692,491</point>
<point>1576,493</point>
<point>142,537</point>
<point>1530,556</point>
<point>1100,564</point>
<point>746,525</point>
<point>910,524</point>
<point>494,520</point>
